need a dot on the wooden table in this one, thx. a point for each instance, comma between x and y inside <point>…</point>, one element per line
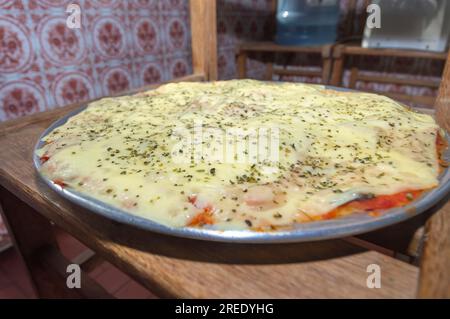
<point>169,266</point>
<point>185,268</point>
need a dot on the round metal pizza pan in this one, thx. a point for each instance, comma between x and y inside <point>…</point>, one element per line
<point>312,231</point>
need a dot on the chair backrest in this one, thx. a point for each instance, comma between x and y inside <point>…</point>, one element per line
<point>341,52</point>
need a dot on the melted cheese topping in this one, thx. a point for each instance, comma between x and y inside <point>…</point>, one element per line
<point>333,147</point>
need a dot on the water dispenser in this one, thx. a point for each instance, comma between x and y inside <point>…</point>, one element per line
<point>306,22</point>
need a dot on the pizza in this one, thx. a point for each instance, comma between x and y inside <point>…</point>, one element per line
<point>245,154</point>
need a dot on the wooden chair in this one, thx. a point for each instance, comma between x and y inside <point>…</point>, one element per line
<point>245,48</point>
<point>186,268</point>
<point>342,51</point>
<point>435,261</point>
<point>268,47</point>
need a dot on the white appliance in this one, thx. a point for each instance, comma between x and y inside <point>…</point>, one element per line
<point>409,24</point>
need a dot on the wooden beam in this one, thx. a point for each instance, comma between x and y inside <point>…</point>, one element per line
<point>28,120</point>
<point>338,65</point>
<point>434,277</point>
<point>353,78</point>
<point>396,80</point>
<point>327,63</point>
<point>204,38</point>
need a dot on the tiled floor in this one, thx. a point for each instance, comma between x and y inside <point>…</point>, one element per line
<point>14,282</point>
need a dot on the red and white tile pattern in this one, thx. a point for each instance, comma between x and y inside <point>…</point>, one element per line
<point>120,45</point>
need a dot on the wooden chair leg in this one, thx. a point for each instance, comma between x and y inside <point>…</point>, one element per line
<point>327,63</point>
<point>204,38</point>
<point>353,78</point>
<point>241,64</point>
<point>338,66</point>
<point>36,244</point>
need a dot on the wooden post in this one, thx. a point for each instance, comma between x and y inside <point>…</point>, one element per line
<point>435,266</point>
<point>442,105</point>
<point>338,66</point>
<point>241,64</point>
<point>204,38</point>
<point>353,78</point>
<point>36,244</point>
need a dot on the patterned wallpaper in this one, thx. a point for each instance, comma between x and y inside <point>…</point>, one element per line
<point>120,45</point>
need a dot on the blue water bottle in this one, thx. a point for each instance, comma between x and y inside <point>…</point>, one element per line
<point>307,22</point>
